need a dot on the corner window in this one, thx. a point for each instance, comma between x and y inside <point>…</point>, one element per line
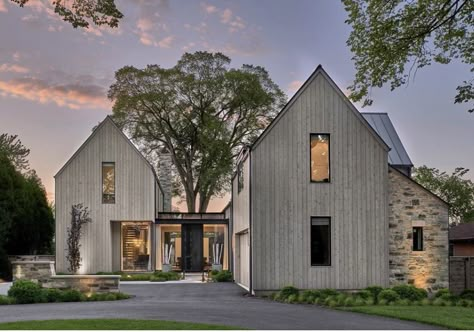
<point>240,177</point>
<point>319,157</point>
<point>417,238</point>
<point>320,241</point>
<point>108,183</point>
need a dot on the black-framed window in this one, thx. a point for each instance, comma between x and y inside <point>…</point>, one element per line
<point>320,241</point>
<point>240,177</point>
<point>108,183</point>
<point>320,157</point>
<point>417,238</point>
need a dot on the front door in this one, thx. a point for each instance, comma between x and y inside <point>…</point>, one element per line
<point>192,238</point>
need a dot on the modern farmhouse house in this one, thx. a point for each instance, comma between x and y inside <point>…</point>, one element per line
<point>322,199</point>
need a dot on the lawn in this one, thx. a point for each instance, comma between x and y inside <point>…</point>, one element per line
<point>460,318</point>
<point>110,324</point>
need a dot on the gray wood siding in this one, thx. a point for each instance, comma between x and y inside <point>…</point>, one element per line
<point>284,199</point>
<point>81,182</point>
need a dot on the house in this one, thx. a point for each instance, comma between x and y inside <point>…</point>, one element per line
<point>322,199</point>
<point>461,240</point>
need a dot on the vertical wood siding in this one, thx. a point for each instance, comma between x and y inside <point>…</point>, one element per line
<point>81,182</point>
<point>284,199</point>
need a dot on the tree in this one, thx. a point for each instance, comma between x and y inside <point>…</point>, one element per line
<point>15,151</point>
<point>453,188</point>
<point>81,12</point>
<point>79,217</point>
<point>389,36</point>
<point>201,112</point>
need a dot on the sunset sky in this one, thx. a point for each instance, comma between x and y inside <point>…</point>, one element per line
<point>54,79</point>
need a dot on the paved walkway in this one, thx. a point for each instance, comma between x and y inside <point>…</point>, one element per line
<point>217,303</point>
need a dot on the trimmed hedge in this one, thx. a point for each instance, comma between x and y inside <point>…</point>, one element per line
<point>221,276</point>
<point>24,291</point>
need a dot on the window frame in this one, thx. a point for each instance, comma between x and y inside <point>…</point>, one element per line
<point>329,241</point>
<point>419,228</point>
<point>329,158</point>
<point>102,182</point>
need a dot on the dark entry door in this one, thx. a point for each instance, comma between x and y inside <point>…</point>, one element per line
<point>192,238</point>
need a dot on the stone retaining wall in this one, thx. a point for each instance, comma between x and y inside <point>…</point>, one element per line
<point>29,258</point>
<point>410,205</point>
<point>37,271</point>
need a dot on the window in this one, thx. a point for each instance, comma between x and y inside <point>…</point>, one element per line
<point>320,241</point>
<point>417,238</point>
<point>319,157</point>
<point>240,177</point>
<point>136,246</point>
<point>108,183</point>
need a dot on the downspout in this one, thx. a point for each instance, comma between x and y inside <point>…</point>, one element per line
<point>250,222</point>
<point>231,229</point>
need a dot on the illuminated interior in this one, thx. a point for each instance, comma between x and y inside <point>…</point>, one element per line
<point>136,246</point>
<point>320,158</point>
<point>108,182</point>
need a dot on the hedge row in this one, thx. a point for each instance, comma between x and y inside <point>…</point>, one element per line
<point>24,291</point>
<point>157,276</point>
<point>374,295</point>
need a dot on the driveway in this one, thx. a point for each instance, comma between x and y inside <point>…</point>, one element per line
<point>217,303</point>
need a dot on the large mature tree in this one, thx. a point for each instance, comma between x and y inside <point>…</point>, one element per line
<point>392,39</point>
<point>201,111</point>
<point>80,13</point>
<point>15,151</point>
<point>453,188</point>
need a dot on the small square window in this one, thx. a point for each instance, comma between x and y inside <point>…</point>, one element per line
<point>417,238</point>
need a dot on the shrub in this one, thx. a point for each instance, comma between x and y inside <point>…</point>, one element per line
<point>442,292</point>
<point>463,303</point>
<point>403,302</point>
<point>71,295</point>
<point>293,298</point>
<point>349,301</point>
<point>388,296</point>
<point>157,279</point>
<point>308,296</point>
<point>374,290</point>
<point>287,291</point>
<point>439,302</point>
<point>4,300</point>
<point>222,276</point>
<point>53,294</point>
<point>136,277</point>
<point>121,296</point>
<point>468,294</point>
<point>24,291</point>
<point>410,292</point>
<point>364,294</point>
<point>165,275</point>
<point>325,293</point>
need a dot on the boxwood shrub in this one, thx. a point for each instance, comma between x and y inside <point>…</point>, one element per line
<point>222,276</point>
<point>25,291</point>
<point>468,294</point>
<point>410,292</point>
<point>388,296</point>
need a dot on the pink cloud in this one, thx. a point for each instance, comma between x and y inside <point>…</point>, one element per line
<point>210,9</point>
<point>226,16</point>
<point>13,68</point>
<point>166,42</point>
<point>294,86</point>
<point>74,96</point>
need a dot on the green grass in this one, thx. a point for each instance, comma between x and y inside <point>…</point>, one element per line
<point>459,318</point>
<point>110,324</point>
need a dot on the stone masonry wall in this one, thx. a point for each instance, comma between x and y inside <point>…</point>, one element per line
<point>164,176</point>
<point>410,205</point>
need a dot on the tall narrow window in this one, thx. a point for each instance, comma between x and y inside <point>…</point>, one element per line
<point>240,177</point>
<point>320,157</point>
<point>417,238</point>
<point>108,183</point>
<point>320,241</point>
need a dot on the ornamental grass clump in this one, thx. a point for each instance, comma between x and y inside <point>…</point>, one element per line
<point>388,296</point>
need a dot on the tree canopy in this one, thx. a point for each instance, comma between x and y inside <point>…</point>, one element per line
<point>80,13</point>
<point>201,111</point>
<point>453,188</point>
<point>15,151</point>
<point>390,40</point>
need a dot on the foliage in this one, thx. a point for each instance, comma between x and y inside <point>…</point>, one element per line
<point>200,111</point>
<point>442,291</point>
<point>286,291</point>
<point>79,218</point>
<point>222,276</point>
<point>389,36</point>
<point>388,296</point>
<point>81,13</point>
<point>171,275</point>
<point>110,324</point>
<point>374,290</point>
<point>15,151</point>
<point>136,277</point>
<point>71,295</point>
<point>25,291</point>
<point>5,300</point>
<point>410,292</point>
<point>52,294</point>
<point>364,294</point>
<point>468,294</point>
<point>453,188</point>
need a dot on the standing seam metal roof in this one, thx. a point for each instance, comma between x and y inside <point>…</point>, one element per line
<point>381,123</point>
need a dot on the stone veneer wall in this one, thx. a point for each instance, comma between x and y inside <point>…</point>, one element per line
<point>43,273</point>
<point>411,205</point>
<point>164,176</point>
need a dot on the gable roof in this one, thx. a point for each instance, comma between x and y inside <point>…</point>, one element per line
<point>108,119</point>
<point>320,71</point>
<point>462,232</point>
<point>384,127</point>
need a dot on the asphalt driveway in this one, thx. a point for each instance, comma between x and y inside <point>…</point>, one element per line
<point>217,303</point>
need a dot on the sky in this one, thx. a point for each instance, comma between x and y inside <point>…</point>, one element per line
<point>54,79</point>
